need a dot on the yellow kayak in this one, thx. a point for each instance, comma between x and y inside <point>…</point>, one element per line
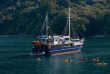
<point>101,63</point>
<point>68,60</point>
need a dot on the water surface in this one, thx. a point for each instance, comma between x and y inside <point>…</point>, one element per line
<point>15,58</point>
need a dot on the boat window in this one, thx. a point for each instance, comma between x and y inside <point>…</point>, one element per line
<point>75,40</point>
<point>66,38</point>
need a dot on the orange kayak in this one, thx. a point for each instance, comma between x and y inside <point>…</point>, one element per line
<point>96,59</point>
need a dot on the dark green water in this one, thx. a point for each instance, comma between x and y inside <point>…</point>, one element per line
<point>15,58</point>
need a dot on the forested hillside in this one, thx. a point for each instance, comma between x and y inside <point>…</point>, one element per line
<point>25,17</point>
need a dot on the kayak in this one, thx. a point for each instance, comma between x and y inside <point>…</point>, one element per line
<point>101,63</point>
<point>83,58</point>
<point>95,59</point>
<point>68,60</point>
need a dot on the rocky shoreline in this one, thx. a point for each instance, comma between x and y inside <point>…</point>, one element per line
<point>18,36</point>
<point>35,36</point>
<point>98,36</point>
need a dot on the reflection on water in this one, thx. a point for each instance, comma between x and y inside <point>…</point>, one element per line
<point>15,58</point>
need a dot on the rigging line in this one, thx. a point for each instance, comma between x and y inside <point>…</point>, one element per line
<point>79,32</point>
<point>76,35</point>
<point>43,25</point>
<point>65,30</point>
<point>51,31</point>
<point>75,31</point>
<point>73,34</point>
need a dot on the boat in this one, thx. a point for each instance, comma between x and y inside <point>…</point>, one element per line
<point>50,44</point>
<point>83,58</point>
<point>101,63</point>
<point>95,59</point>
<point>68,60</point>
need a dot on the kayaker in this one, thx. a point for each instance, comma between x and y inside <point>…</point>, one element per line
<point>85,58</point>
<point>97,58</point>
<point>102,62</point>
<point>69,60</point>
<point>38,59</point>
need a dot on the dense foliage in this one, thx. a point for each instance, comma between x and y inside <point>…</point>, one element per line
<point>25,17</point>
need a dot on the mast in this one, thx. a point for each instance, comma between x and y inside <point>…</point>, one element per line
<point>69,23</point>
<point>46,24</point>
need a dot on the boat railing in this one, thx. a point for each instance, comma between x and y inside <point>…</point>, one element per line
<point>60,45</point>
